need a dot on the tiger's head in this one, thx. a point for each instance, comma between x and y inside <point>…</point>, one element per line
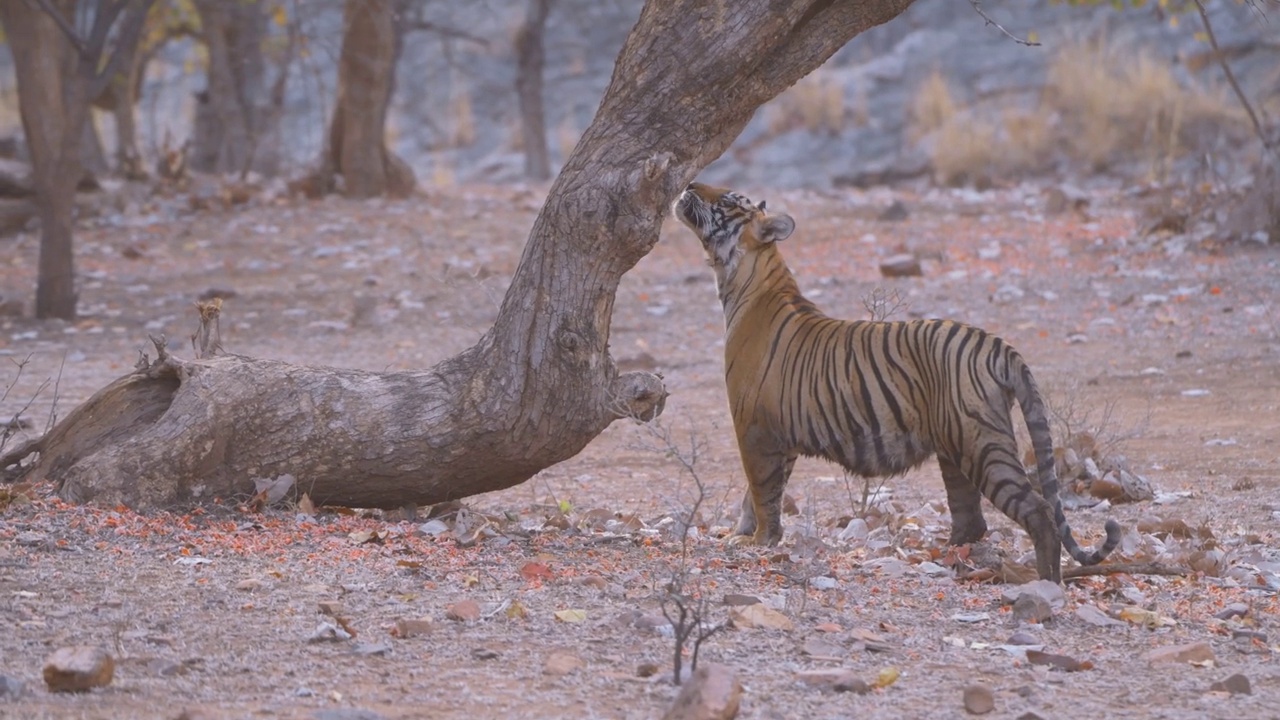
<point>729,225</point>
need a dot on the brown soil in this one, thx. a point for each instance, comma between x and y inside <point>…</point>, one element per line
<point>1105,316</point>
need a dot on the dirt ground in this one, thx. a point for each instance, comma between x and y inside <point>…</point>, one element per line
<point>212,613</point>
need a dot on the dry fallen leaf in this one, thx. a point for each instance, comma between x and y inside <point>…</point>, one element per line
<point>886,677</point>
<point>571,616</point>
<point>536,571</point>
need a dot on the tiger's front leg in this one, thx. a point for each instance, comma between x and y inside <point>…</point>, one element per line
<point>767,475</point>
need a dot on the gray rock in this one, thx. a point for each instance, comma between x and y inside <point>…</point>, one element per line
<point>78,669</point>
<point>11,687</point>
<point>1031,608</point>
<point>1236,684</point>
<point>979,699</point>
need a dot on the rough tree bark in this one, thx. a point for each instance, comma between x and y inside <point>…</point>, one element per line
<point>529,62</point>
<point>59,72</point>
<point>357,148</point>
<point>540,384</point>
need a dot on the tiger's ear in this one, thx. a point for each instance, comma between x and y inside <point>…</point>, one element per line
<point>760,206</point>
<point>777,228</point>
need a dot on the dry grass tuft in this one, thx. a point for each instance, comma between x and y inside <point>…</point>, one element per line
<point>816,104</point>
<point>1103,104</point>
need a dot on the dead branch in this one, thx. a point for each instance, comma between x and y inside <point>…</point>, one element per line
<point>1231,78</point>
<point>977,7</point>
<point>1152,568</point>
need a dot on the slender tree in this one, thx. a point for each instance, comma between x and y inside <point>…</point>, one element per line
<point>60,70</point>
<point>356,148</point>
<point>530,57</point>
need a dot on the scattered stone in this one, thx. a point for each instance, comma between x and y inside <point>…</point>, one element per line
<point>78,669</point>
<point>30,538</point>
<point>250,585</point>
<point>904,265</point>
<point>1234,610</point>
<point>1023,638</point>
<point>371,649</point>
<point>1031,608</point>
<point>11,687</point>
<point>824,582</point>
<point>834,680</point>
<point>332,608</point>
<point>896,212</point>
<point>735,600</point>
<point>166,668</point>
<point>1060,199</point>
<point>817,647</point>
<point>760,617</point>
<point>328,632</point>
<point>463,611</point>
<point>857,529</point>
<point>1196,653</point>
<point>712,693</point>
<point>407,628</point>
<point>1028,715</point>
<point>1096,617</point>
<point>647,669</point>
<point>972,617</point>
<point>979,699</point>
<point>1061,662</point>
<point>1136,487</point>
<point>433,528</point>
<point>1236,685</point>
<point>1050,591</point>
<point>1107,487</point>
<point>483,653</point>
<point>562,663</point>
<point>1250,635</point>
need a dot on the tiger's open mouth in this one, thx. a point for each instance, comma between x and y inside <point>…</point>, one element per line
<point>691,210</point>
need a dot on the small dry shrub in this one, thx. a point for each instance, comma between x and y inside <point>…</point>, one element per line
<point>816,104</point>
<point>1117,101</point>
<point>1102,103</point>
<point>932,107</point>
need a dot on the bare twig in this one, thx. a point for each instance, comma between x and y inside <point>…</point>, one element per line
<point>417,25</point>
<point>977,7</point>
<point>57,385</point>
<point>1231,78</point>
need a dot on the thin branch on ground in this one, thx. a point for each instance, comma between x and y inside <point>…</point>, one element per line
<point>1231,78</point>
<point>882,304</point>
<point>1152,568</point>
<point>977,6</point>
<point>684,607</point>
<point>57,387</point>
<point>12,427</point>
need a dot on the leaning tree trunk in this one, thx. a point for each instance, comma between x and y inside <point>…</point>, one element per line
<point>357,148</point>
<point>540,384</point>
<point>533,117</point>
<point>54,108</point>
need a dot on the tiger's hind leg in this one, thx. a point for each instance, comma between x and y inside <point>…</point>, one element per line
<point>761,516</point>
<point>1003,481</point>
<point>967,523</point>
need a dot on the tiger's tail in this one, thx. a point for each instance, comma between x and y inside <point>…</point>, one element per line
<point>1033,410</point>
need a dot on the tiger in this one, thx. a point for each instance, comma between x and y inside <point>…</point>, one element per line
<point>878,398</point>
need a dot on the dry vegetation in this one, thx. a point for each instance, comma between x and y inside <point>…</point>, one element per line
<point>1104,105</point>
<point>816,104</point>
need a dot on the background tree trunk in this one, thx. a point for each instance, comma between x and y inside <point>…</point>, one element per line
<point>233,114</point>
<point>529,62</point>
<point>56,80</point>
<point>540,384</point>
<point>54,106</point>
<point>357,148</point>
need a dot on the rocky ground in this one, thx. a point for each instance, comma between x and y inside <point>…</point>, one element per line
<point>545,600</point>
